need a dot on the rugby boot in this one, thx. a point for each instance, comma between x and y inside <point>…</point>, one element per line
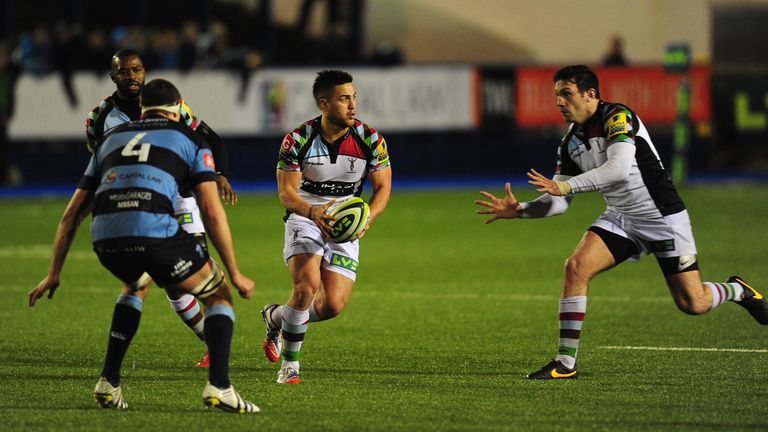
<point>554,370</point>
<point>752,300</point>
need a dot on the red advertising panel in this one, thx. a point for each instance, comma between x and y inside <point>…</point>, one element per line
<point>649,91</point>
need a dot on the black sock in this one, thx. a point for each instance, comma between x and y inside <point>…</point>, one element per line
<point>218,337</point>
<point>125,322</point>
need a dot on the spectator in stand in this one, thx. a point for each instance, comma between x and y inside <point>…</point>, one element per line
<point>67,45</point>
<point>188,47</point>
<point>9,71</point>
<point>166,46</point>
<point>95,50</point>
<point>36,51</point>
<point>615,55</point>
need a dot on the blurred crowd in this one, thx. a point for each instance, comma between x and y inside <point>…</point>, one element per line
<point>67,47</point>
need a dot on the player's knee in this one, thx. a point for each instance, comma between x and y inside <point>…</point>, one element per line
<point>304,292</point>
<point>331,309</point>
<point>575,269</point>
<point>692,306</point>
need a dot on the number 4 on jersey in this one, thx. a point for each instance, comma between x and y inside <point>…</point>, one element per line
<point>133,148</point>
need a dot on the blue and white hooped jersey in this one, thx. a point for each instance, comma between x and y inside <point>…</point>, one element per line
<point>136,173</point>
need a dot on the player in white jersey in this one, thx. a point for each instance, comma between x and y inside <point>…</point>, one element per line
<point>608,149</point>
<point>324,160</point>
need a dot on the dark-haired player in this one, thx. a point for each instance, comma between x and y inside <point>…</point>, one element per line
<point>127,72</point>
<point>608,149</point>
<point>325,159</point>
<point>130,186</point>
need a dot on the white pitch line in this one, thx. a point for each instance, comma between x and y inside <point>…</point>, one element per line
<point>41,252</point>
<point>650,348</point>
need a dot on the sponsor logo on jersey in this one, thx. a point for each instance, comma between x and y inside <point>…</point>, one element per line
<point>110,177</point>
<point>287,143</point>
<point>131,195</point>
<point>617,125</point>
<point>382,152</point>
<point>133,175</point>
<point>184,218</point>
<point>208,161</point>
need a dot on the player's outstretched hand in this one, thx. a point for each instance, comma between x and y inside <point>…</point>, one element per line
<point>227,193</point>
<point>543,184</point>
<point>48,284</point>
<point>501,208</point>
<point>244,285</point>
<point>318,214</point>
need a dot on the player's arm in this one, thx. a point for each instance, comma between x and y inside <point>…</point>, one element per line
<point>218,149</point>
<point>616,168</point>
<point>287,190</point>
<point>77,210</point>
<point>381,183</point>
<point>221,158</point>
<point>217,227</point>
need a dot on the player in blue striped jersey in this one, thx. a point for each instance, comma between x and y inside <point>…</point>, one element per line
<point>128,73</point>
<point>130,186</point>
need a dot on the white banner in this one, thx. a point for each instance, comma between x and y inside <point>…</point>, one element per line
<point>274,101</point>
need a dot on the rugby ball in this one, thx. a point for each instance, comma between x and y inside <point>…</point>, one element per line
<point>351,219</point>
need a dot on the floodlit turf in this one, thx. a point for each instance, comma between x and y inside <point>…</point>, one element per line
<point>447,317</point>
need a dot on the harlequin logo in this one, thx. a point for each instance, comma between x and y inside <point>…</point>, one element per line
<point>208,160</point>
<point>110,177</point>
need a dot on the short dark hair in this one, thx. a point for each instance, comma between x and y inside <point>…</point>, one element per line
<point>581,75</point>
<point>159,92</point>
<point>121,54</point>
<point>326,81</point>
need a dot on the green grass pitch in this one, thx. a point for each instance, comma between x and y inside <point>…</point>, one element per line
<point>447,317</point>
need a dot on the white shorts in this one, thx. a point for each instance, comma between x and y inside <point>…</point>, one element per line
<point>302,236</point>
<point>665,237</point>
<point>188,215</point>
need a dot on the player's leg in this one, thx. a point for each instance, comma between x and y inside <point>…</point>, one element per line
<point>675,251</point>
<point>598,250</point>
<point>306,280</point>
<point>301,237</point>
<point>209,285</point>
<point>126,317</point>
<point>333,296</point>
<point>180,265</point>
<point>339,273</point>
<point>185,305</point>
<point>695,297</point>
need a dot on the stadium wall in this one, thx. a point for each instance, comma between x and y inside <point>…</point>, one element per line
<point>440,120</point>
